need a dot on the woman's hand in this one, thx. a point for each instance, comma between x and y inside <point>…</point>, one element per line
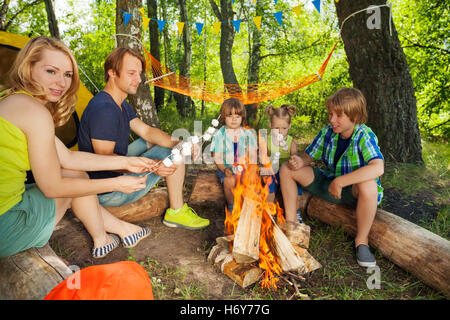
<point>141,164</point>
<point>130,184</point>
<point>164,171</point>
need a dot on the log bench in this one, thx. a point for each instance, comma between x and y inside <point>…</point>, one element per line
<point>33,273</point>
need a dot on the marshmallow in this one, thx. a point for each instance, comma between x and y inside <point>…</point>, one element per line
<point>186,151</point>
<point>167,162</point>
<point>215,122</point>
<point>175,151</point>
<point>206,136</point>
<point>195,139</point>
<point>211,130</point>
<point>177,158</point>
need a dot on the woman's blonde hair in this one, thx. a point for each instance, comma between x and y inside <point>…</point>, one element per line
<point>286,111</point>
<point>20,77</point>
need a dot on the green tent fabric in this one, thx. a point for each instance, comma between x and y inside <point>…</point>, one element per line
<point>10,44</point>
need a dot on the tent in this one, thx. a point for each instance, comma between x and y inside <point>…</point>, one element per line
<point>10,44</point>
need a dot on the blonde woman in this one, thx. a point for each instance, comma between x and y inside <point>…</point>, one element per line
<point>45,81</point>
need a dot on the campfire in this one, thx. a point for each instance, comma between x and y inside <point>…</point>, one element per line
<point>260,243</point>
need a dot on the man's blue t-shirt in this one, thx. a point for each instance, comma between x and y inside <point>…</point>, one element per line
<point>104,120</point>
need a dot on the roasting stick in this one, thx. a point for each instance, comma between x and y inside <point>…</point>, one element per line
<point>184,148</point>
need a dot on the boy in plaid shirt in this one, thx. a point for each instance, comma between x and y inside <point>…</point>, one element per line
<point>353,165</point>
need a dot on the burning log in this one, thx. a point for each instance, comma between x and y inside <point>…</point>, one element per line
<point>290,259</point>
<point>297,233</point>
<point>243,274</point>
<point>246,238</point>
<point>311,264</point>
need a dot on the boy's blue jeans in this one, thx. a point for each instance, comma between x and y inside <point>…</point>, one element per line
<point>138,148</point>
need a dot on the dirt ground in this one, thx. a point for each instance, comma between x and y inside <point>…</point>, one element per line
<point>186,251</point>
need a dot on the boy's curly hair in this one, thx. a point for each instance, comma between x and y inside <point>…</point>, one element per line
<point>351,102</point>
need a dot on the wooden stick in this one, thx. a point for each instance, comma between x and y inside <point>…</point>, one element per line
<point>157,78</point>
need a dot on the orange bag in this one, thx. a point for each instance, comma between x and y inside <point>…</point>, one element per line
<point>124,280</point>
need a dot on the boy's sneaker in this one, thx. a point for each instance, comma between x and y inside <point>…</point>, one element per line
<point>364,257</point>
<point>299,216</point>
<point>185,218</point>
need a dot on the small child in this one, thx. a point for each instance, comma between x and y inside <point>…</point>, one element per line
<point>279,141</point>
<point>231,145</point>
<point>353,164</point>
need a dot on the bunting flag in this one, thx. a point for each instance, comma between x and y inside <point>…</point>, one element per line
<point>145,22</point>
<point>279,16</point>
<point>297,10</point>
<point>275,1</point>
<point>199,27</point>
<point>161,24</point>
<point>142,11</point>
<point>237,24</point>
<point>217,26</point>
<point>127,17</point>
<point>316,4</point>
<point>180,26</point>
<point>257,21</point>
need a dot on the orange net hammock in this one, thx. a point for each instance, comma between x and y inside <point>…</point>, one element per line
<point>219,92</point>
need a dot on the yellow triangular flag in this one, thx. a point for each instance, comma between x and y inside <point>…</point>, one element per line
<point>217,26</point>
<point>141,10</point>
<point>145,22</point>
<point>297,10</point>
<point>254,1</point>
<point>257,21</point>
<point>180,26</point>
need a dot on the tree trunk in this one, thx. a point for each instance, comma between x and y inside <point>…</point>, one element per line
<point>154,47</point>
<point>184,102</point>
<point>378,67</point>
<point>254,62</point>
<point>3,12</point>
<point>226,15</point>
<point>142,101</point>
<point>51,17</point>
<point>168,58</point>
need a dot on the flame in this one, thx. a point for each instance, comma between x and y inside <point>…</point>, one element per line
<point>249,185</point>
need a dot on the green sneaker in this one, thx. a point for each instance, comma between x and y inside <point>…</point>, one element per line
<point>185,218</point>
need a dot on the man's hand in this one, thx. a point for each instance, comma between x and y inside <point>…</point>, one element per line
<point>295,162</point>
<point>141,164</point>
<point>164,171</point>
<point>335,188</point>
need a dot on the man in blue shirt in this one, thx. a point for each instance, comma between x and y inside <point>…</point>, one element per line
<point>105,127</point>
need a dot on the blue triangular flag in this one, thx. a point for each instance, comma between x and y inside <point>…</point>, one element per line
<point>127,17</point>
<point>233,1</point>
<point>236,24</point>
<point>161,24</point>
<point>275,1</point>
<point>199,27</point>
<point>279,16</point>
<point>316,4</point>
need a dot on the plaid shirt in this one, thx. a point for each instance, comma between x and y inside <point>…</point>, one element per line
<point>363,148</point>
<point>221,144</point>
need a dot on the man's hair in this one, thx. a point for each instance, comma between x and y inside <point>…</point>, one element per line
<point>115,59</point>
<point>351,102</point>
<point>227,109</point>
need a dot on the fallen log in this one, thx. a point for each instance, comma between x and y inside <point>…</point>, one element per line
<point>153,204</point>
<point>246,237</point>
<point>411,247</point>
<point>31,274</point>
<point>243,274</point>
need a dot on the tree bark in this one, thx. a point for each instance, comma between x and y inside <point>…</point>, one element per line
<point>226,15</point>
<point>184,102</point>
<point>51,18</point>
<point>155,47</point>
<point>142,101</point>
<point>378,67</point>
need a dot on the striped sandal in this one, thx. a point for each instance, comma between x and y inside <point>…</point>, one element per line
<point>133,239</point>
<point>100,252</point>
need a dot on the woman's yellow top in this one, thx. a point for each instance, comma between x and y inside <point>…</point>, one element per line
<point>14,163</point>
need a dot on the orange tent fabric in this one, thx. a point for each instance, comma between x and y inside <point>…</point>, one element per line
<point>124,280</point>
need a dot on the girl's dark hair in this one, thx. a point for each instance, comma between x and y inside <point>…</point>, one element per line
<point>286,111</point>
<point>227,109</point>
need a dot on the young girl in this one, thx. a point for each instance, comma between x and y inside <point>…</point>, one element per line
<point>44,82</point>
<point>279,141</point>
<point>232,146</point>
